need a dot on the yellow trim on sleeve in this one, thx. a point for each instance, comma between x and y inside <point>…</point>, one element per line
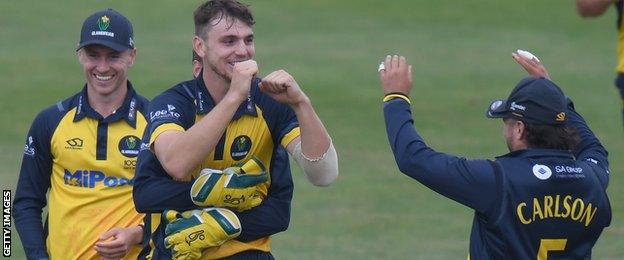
<point>294,133</point>
<point>393,96</point>
<point>162,128</point>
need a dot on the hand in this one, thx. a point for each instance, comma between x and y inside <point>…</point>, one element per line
<point>242,74</point>
<point>396,77</point>
<point>282,87</point>
<point>190,232</point>
<point>235,187</point>
<point>122,241</point>
<point>532,66</point>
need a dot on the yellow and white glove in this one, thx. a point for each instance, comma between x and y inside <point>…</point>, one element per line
<point>190,232</point>
<point>236,187</point>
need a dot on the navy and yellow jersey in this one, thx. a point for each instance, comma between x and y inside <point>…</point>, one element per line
<point>534,203</point>
<point>260,127</point>
<point>87,163</point>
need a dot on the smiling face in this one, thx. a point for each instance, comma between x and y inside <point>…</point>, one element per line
<point>106,70</point>
<point>227,41</point>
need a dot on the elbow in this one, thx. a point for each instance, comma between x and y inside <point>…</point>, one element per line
<point>404,163</point>
<point>176,170</point>
<point>283,225</point>
<point>327,179</point>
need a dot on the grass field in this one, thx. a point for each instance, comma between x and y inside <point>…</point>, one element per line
<point>460,51</point>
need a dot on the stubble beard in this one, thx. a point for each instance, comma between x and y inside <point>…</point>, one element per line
<point>222,75</point>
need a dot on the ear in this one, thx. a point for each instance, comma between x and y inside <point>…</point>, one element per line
<point>133,53</point>
<point>80,55</point>
<point>198,46</point>
<point>518,130</point>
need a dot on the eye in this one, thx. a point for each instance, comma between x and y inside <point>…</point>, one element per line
<point>249,40</point>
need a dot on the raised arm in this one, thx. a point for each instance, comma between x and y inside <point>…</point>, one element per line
<point>203,136</point>
<point>313,149</point>
<point>470,182</point>
<point>589,148</point>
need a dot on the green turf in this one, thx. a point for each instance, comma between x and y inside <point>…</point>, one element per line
<point>460,51</point>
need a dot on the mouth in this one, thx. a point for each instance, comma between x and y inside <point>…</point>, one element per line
<point>103,77</point>
<point>232,63</point>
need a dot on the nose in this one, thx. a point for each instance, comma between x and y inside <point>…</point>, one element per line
<point>102,65</point>
<point>242,50</point>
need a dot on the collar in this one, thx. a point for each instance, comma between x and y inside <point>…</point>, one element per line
<point>538,153</point>
<point>127,111</point>
<point>204,102</point>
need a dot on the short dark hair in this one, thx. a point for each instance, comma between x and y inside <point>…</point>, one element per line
<point>217,10</point>
<point>559,137</point>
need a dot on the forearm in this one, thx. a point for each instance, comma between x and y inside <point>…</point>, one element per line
<point>465,181</point>
<point>201,139</point>
<point>269,218</point>
<point>589,145</point>
<point>592,8</point>
<point>154,192</point>
<point>30,229</point>
<point>314,137</point>
<point>273,214</point>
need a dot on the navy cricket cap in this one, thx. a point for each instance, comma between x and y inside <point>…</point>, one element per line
<point>109,28</point>
<point>534,101</point>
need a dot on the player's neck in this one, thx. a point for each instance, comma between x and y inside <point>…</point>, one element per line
<point>107,105</point>
<point>216,85</point>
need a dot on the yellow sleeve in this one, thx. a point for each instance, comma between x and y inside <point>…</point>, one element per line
<point>162,128</point>
<point>294,133</point>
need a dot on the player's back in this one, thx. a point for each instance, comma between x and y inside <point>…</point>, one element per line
<point>551,207</point>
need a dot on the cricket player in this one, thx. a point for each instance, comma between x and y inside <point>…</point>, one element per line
<point>545,199</point>
<point>595,8</point>
<point>227,119</point>
<point>83,151</point>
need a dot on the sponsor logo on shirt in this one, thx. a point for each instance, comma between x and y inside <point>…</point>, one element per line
<point>240,147</point>
<point>144,146</point>
<point>89,178</point>
<point>132,109</point>
<point>170,112</point>
<point>28,148</point>
<point>565,171</point>
<point>542,172</point>
<point>74,144</point>
<point>129,146</point>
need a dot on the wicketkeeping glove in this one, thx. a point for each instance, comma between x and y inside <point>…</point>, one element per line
<point>235,187</point>
<point>190,232</point>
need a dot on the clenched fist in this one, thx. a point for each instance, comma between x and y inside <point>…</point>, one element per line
<point>282,87</point>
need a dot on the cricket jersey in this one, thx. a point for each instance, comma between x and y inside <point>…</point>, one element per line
<point>619,6</point>
<point>260,127</point>
<point>529,204</point>
<point>87,164</point>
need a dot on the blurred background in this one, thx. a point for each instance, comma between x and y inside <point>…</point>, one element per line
<point>461,57</point>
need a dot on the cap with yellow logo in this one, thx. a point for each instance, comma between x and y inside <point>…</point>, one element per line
<point>108,28</point>
<point>534,101</point>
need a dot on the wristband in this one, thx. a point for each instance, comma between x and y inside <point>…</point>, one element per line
<point>392,96</point>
